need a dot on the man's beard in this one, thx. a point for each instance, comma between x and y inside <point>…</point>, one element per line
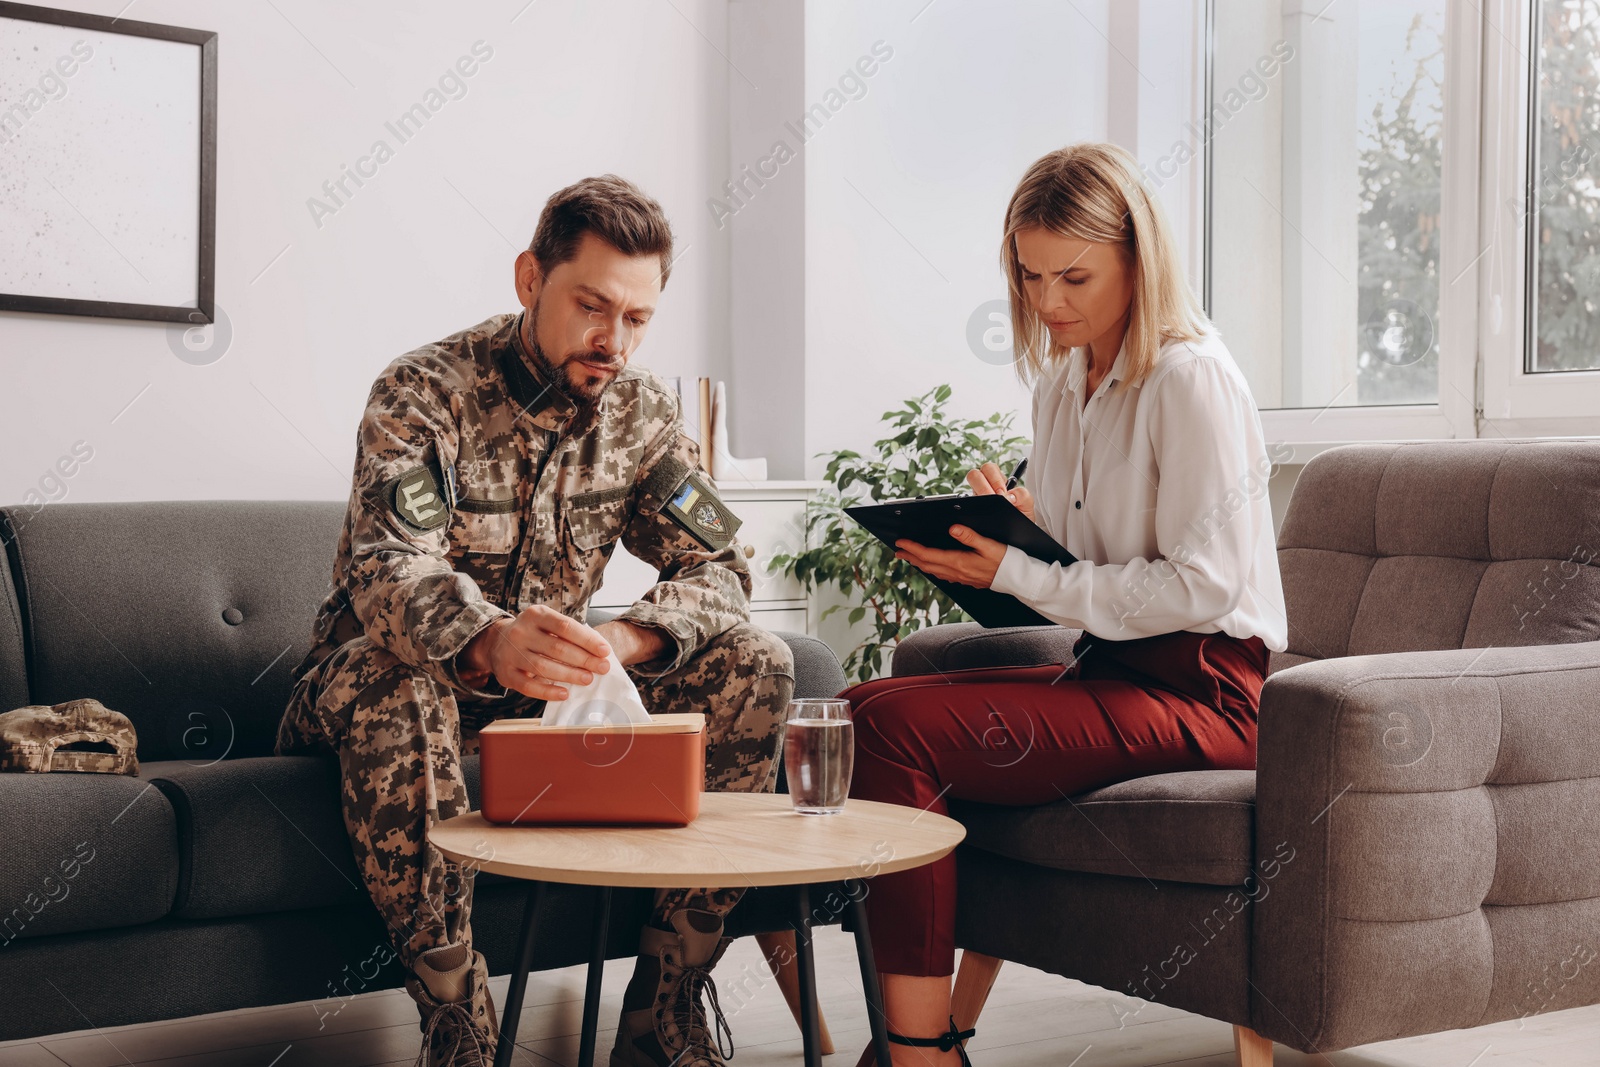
<point>584,396</point>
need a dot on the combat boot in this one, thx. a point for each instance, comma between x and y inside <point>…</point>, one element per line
<point>451,987</point>
<point>663,1023</point>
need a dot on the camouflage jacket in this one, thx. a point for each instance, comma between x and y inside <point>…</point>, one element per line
<point>479,492</point>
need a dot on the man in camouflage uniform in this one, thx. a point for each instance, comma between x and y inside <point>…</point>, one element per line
<point>496,471</point>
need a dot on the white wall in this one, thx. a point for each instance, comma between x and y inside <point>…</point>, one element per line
<point>424,248</point>
<point>906,191</point>
<point>762,205</point>
<point>906,187</point>
<point>844,285</point>
<point>1248,234</point>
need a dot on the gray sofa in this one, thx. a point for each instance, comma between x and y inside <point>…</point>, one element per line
<point>1419,848</point>
<point>221,877</point>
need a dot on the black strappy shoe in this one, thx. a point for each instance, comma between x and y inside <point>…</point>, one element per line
<point>950,1039</point>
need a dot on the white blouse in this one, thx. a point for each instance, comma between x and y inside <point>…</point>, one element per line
<point>1161,493</point>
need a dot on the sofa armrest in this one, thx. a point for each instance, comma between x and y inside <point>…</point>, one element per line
<point>1425,837</point>
<point>961,646</point>
<point>816,669</point>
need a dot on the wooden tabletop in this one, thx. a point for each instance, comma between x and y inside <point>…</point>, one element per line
<point>739,839</point>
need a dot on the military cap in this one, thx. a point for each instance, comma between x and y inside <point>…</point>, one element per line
<point>78,735</point>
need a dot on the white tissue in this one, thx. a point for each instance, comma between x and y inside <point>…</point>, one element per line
<point>610,700</point>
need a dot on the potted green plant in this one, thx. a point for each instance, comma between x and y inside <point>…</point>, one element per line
<point>929,453</point>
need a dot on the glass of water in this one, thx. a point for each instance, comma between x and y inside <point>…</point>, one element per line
<point>819,751</point>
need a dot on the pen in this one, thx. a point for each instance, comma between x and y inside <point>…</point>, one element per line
<point>1016,475</point>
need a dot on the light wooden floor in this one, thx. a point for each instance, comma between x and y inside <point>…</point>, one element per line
<point>1033,1020</point>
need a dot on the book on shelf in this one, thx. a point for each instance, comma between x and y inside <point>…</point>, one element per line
<point>705,422</point>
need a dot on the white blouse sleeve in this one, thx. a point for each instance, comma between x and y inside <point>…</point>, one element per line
<point>1206,435</point>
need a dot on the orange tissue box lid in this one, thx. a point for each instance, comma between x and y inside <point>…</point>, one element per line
<point>649,773</point>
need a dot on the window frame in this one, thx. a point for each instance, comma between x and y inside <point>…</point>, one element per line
<point>1485,275</point>
<point>1518,403</point>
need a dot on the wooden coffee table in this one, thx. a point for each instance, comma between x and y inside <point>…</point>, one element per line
<point>739,839</point>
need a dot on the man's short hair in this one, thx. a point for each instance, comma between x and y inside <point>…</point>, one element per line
<point>614,210</point>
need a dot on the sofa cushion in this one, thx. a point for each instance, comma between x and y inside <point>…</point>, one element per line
<point>1425,545</point>
<point>1189,826</point>
<point>84,851</point>
<point>959,646</point>
<point>258,835</point>
<point>266,834</point>
<point>186,617</point>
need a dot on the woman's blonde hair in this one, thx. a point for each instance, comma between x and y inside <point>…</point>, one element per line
<point>1094,192</point>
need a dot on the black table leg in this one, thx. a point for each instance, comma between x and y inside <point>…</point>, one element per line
<point>869,982</point>
<point>511,1010</point>
<point>810,1032</point>
<point>597,966</point>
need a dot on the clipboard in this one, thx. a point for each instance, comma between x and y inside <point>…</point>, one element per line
<point>927,521</point>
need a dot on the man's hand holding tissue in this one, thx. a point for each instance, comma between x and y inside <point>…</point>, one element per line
<point>541,648</point>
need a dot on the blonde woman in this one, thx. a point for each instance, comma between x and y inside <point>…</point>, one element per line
<point>1149,465</point>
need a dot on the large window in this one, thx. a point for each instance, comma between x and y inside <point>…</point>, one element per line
<point>1330,188</point>
<point>1404,214</point>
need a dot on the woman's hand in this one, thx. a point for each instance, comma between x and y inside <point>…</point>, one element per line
<point>976,565</point>
<point>988,480</point>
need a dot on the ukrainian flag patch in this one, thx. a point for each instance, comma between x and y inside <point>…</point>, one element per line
<point>696,507</point>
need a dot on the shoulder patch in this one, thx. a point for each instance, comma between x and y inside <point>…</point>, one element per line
<point>696,507</point>
<point>418,499</point>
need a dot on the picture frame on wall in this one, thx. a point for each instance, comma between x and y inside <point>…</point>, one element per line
<point>108,166</point>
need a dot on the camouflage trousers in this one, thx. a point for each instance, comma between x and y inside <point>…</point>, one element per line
<point>400,738</point>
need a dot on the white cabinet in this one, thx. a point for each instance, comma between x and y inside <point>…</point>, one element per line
<point>772,518</point>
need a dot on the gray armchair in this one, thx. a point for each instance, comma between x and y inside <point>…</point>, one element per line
<point>1419,848</point>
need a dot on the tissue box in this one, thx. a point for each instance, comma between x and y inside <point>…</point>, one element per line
<point>647,773</point>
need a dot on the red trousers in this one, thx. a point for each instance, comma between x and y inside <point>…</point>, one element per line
<point>1032,735</point>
